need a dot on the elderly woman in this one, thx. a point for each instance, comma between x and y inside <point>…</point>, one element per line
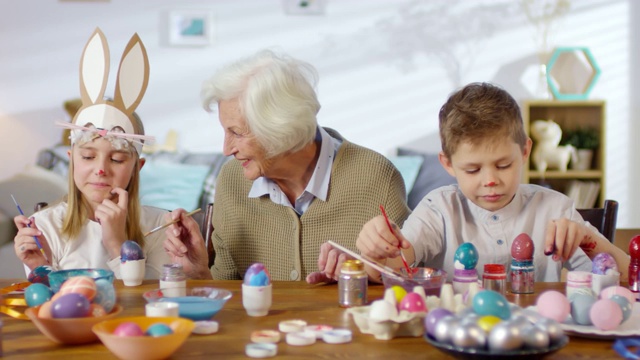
<point>292,186</point>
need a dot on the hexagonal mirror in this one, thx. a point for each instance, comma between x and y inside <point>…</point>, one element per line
<point>571,73</point>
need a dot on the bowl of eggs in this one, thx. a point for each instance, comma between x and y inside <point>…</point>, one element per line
<point>143,337</point>
<point>67,316</point>
<point>195,303</point>
<point>429,279</point>
<point>58,277</point>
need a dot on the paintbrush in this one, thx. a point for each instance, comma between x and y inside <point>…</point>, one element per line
<point>374,264</point>
<point>404,261</point>
<point>171,222</point>
<point>35,237</point>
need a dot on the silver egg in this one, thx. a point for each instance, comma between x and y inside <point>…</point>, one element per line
<point>469,336</point>
<point>444,327</point>
<point>466,312</point>
<point>469,318</point>
<point>532,315</point>
<point>520,321</point>
<point>535,338</point>
<point>552,328</point>
<point>505,336</point>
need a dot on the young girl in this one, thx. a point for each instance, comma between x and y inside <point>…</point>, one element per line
<point>102,208</point>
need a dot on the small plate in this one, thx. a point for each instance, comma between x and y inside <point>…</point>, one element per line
<point>523,354</point>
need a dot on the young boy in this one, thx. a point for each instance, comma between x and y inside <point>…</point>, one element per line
<point>484,146</point>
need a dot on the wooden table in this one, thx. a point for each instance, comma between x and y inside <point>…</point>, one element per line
<point>291,300</point>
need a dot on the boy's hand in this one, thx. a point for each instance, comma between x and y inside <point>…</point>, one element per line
<point>329,263</point>
<point>378,242</point>
<point>25,245</point>
<point>564,236</point>
<point>113,219</point>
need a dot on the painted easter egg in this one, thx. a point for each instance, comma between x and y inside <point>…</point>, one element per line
<point>488,322</point>
<point>604,264</point>
<point>489,302</point>
<point>72,305</point>
<point>553,305</point>
<point>37,294</point>
<point>522,247</point>
<point>606,314</point>
<point>131,250</point>
<point>580,307</point>
<point>382,311</point>
<point>505,336</point>
<point>257,275</point>
<point>105,294</point>
<point>159,329</point>
<point>625,306</point>
<point>466,257</point>
<point>84,285</point>
<point>45,310</point>
<point>607,293</point>
<point>413,302</point>
<point>433,317</point>
<point>40,275</point>
<point>128,328</point>
<point>96,310</point>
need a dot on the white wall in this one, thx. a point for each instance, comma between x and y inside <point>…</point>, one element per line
<point>386,66</point>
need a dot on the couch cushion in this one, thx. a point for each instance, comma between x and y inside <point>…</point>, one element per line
<point>170,185</point>
<point>431,176</point>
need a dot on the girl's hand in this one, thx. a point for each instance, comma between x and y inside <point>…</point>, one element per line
<point>25,245</point>
<point>112,217</point>
<point>185,245</point>
<point>563,237</point>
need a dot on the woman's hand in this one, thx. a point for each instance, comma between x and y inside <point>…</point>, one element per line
<point>112,217</point>
<point>25,245</point>
<point>185,245</point>
<point>329,263</point>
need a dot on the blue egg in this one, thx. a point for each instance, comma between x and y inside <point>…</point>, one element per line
<point>259,279</point>
<point>37,294</point>
<point>105,294</point>
<point>466,257</point>
<point>130,250</point>
<point>489,302</point>
<point>625,306</point>
<point>159,329</point>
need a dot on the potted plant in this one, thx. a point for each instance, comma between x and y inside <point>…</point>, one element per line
<point>586,141</point>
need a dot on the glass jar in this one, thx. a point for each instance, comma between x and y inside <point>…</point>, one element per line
<point>462,279</point>
<point>352,284</point>
<point>173,281</point>
<point>494,278</point>
<point>522,276</point>
<point>578,282</point>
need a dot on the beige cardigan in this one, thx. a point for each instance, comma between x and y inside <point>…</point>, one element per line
<point>249,230</point>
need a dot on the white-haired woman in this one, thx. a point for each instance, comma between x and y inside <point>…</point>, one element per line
<point>292,186</point>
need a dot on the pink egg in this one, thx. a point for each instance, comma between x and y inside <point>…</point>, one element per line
<point>522,247</point>
<point>606,314</point>
<point>553,305</point>
<point>618,290</point>
<point>413,302</point>
<point>128,329</point>
<point>83,285</point>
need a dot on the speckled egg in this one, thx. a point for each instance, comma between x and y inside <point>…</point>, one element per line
<point>72,305</point>
<point>618,290</point>
<point>105,294</point>
<point>604,264</point>
<point>489,302</point>
<point>257,275</point>
<point>130,250</point>
<point>466,257</point>
<point>606,314</point>
<point>413,302</point>
<point>625,306</point>
<point>522,247</point>
<point>553,305</point>
<point>128,329</point>
<point>37,294</point>
<point>40,275</point>
<point>84,285</point>
<point>159,329</point>
<point>433,317</point>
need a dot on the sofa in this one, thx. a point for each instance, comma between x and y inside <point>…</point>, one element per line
<point>170,180</point>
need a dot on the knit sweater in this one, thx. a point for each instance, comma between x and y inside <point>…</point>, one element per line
<point>249,230</point>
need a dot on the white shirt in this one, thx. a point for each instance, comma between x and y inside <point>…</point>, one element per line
<point>445,219</point>
<point>318,185</point>
<point>87,250</point>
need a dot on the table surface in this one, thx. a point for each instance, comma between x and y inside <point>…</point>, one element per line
<point>316,304</point>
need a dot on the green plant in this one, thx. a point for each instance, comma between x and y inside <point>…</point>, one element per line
<point>582,138</point>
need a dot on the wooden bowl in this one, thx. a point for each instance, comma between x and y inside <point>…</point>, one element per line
<point>71,331</point>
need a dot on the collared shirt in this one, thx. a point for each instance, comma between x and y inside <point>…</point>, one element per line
<point>445,219</point>
<point>318,185</point>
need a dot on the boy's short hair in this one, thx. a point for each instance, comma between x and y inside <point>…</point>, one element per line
<point>477,113</point>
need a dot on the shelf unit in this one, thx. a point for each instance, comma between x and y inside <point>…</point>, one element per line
<point>570,115</point>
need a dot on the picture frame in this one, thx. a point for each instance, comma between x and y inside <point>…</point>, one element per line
<point>190,28</point>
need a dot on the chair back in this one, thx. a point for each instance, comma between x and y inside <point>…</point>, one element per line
<point>604,219</point>
<point>206,227</point>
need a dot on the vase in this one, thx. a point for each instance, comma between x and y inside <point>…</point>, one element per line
<point>585,156</point>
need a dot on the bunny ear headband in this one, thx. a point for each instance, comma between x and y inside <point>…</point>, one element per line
<point>112,120</point>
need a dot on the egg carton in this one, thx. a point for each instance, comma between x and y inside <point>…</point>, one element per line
<point>405,324</point>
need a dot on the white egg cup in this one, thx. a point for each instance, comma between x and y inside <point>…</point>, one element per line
<point>256,299</point>
<point>132,272</point>
<point>162,309</point>
<point>600,282</point>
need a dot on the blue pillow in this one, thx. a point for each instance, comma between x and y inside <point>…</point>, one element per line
<point>430,176</point>
<point>172,185</point>
<point>409,166</point>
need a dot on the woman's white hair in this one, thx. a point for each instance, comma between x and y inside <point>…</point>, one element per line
<point>276,95</point>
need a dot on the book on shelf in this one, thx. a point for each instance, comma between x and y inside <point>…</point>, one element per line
<point>583,193</point>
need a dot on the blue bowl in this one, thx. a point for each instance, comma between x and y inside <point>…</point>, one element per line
<point>195,303</point>
<point>57,277</point>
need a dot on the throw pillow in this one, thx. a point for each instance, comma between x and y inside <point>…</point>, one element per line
<point>408,166</point>
<point>172,185</point>
<point>431,176</point>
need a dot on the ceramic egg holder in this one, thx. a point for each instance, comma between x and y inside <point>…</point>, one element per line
<point>604,273</point>
<point>384,321</point>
